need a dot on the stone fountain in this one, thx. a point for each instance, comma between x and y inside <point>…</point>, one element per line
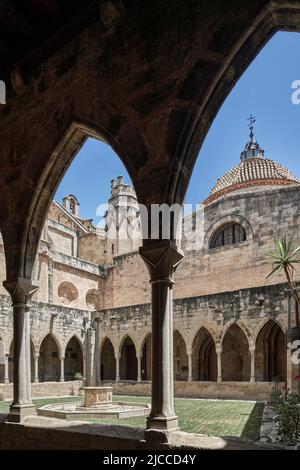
<point>98,403</point>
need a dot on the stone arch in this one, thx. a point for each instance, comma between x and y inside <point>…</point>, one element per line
<point>181,366</point>
<point>67,292</point>
<point>200,96</point>
<point>270,353</point>
<point>55,335</point>
<point>64,145</point>
<point>107,360</point>
<point>75,335</point>
<point>263,322</point>
<point>113,341</point>
<point>123,338</point>
<point>146,357</point>
<point>144,337</point>
<point>235,355</point>
<point>128,359</point>
<point>241,325</point>
<point>73,358</point>
<point>182,333</point>
<point>212,330</point>
<point>49,362</point>
<point>204,357</point>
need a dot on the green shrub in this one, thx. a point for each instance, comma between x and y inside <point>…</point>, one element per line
<point>287,415</point>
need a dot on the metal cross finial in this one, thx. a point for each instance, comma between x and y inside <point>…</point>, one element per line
<point>251,120</point>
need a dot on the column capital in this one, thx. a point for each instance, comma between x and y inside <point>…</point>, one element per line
<point>162,258</point>
<point>21,290</point>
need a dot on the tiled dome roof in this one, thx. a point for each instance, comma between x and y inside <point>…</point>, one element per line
<point>251,171</point>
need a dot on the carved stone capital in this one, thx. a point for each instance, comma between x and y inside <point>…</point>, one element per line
<point>21,291</point>
<point>162,258</point>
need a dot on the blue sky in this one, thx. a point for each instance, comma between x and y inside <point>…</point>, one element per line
<point>264,90</point>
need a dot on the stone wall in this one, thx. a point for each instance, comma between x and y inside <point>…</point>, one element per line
<point>225,390</point>
<point>250,308</point>
<point>203,271</point>
<point>63,323</point>
<point>45,389</point>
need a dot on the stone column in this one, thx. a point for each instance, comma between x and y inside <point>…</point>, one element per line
<point>139,367</point>
<point>97,358</point>
<point>117,368</point>
<point>252,372</point>
<point>190,365</point>
<point>36,369</point>
<point>21,291</point>
<point>6,371</point>
<point>62,368</point>
<point>219,363</point>
<point>161,258</point>
<point>90,357</point>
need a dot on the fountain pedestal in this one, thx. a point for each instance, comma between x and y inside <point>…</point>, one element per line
<point>95,397</point>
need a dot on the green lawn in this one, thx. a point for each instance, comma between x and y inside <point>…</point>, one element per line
<point>219,418</point>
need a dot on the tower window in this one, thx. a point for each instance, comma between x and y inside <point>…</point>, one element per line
<point>228,234</point>
<point>72,206</point>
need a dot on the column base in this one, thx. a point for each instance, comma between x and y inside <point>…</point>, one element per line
<point>219,380</point>
<point>6,381</point>
<point>162,424</point>
<point>18,412</point>
<point>158,428</point>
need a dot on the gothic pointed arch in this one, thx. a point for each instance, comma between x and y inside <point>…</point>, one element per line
<point>204,357</point>
<point>270,353</point>
<point>107,360</point>
<point>180,358</point>
<point>73,363</point>
<point>49,363</point>
<point>146,359</point>
<point>128,359</point>
<point>235,355</point>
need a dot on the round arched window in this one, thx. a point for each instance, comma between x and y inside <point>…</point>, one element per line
<point>228,234</point>
<point>67,292</point>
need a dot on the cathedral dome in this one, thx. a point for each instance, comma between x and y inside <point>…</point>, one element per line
<point>254,170</point>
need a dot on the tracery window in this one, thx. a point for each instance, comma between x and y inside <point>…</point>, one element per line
<point>228,234</point>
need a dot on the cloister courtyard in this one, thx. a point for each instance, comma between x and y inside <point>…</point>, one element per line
<point>202,416</point>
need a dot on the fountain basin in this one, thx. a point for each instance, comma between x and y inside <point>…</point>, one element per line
<point>97,404</point>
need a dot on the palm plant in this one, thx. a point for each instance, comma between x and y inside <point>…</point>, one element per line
<point>285,256</point>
